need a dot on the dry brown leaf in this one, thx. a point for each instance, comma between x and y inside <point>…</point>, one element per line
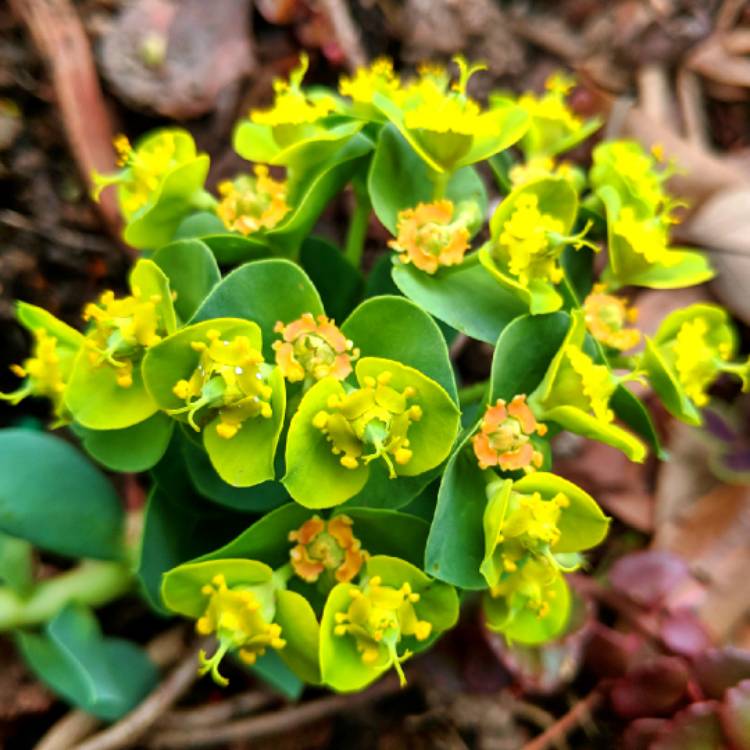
<point>176,58</point>
<point>722,224</point>
<point>712,59</point>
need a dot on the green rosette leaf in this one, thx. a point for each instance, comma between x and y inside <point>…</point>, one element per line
<point>247,457</point>
<point>315,476</point>
<point>300,630</point>
<point>395,328</point>
<point>464,296</point>
<point>264,291</point>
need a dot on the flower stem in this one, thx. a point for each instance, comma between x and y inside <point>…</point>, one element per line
<point>357,232</point>
<point>92,582</point>
<point>440,180</point>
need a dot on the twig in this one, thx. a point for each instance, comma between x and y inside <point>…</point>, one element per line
<point>272,723</point>
<point>345,31</point>
<point>163,650</point>
<point>218,713</point>
<point>61,40</point>
<point>654,94</point>
<point>728,14</point>
<point>135,724</point>
<point>579,713</point>
<point>690,96</point>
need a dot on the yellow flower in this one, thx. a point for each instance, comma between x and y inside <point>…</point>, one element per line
<point>647,237</point>
<point>252,203</point>
<point>504,437</point>
<point>230,376</point>
<point>379,77</point>
<point>121,328</point>
<point>45,372</point>
<point>240,621</point>
<point>531,242</point>
<point>292,106</point>
<point>326,547</point>
<point>312,349</point>
<point>541,167</point>
<point>431,235</point>
<point>375,415</point>
<point>607,317</point>
<point>378,618</point>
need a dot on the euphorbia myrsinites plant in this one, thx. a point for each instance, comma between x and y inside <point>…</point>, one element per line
<point>322,494</point>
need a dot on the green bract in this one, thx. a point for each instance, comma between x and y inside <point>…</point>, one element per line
<point>395,415</point>
<point>160,182</point>
<point>212,376</point>
<point>576,393</point>
<point>395,612</point>
<point>689,351</point>
<point>318,482</point>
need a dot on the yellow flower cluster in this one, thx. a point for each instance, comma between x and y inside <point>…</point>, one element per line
<point>252,203</point>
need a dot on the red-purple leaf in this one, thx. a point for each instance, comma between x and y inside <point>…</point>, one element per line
<point>683,633</point>
<point>641,733</point>
<point>653,688</point>
<point>610,652</point>
<point>647,577</point>
<point>695,728</point>
<point>719,669</point>
<point>735,715</point>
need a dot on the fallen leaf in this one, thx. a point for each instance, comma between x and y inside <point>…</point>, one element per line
<point>175,58</point>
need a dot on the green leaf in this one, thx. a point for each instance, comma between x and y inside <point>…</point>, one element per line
<point>455,546</point>
<point>53,497</point>
<point>395,328</point>
<point>633,412</point>
<point>300,630</point>
<point>399,179</point>
<point>272,670</point>
<point>106,677</point>
<point>131,449</point>
<point>264,291</point>
<point>340,284</point>
<point>207,482</point>
<point>192,272</point>
<point>380,491</point>
<point>379,280</point>
<point>16,564</point>
<point>465,297</point>
<point>177,528</point>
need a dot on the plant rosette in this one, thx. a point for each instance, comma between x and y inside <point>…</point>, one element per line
<point>159,183</point>
<point>106,389</point>
<point>534,531</point>
<point>576,391</point>
<point>249,612</point>
<point>395,414</point>
<point>212,376</point>
<point>691,349</point>
<point>529,231</point>
<point>395,612</point>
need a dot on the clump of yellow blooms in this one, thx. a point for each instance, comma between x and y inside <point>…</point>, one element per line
<point>504,437</point>
<point>312,349</point>
<point>366,82</point>
<point>375,416</point>
<point>531,242</point>
<point>121,328</point>
<point>292,106</point>
<point>231,377</point>
<point>236,615</point>
<point>431,235</point>
<point>251,203</point>
<point>326,547</point>
<point>378,617</point>
<point>607,318</point>
<point>45,373</point>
